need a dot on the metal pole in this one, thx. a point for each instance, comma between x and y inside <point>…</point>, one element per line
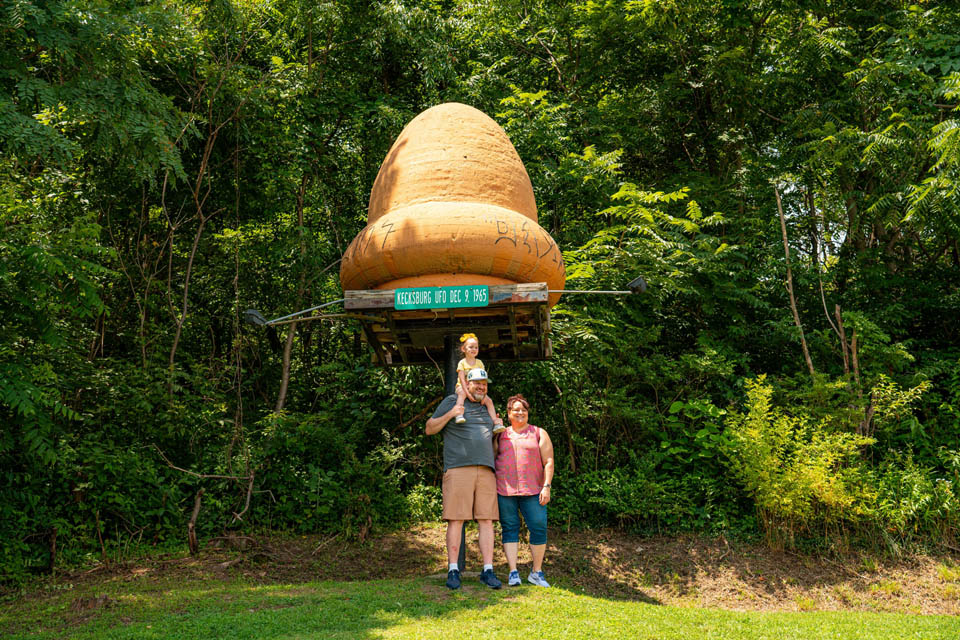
<point>451,358</point>
<point>300,313</point>
<point>614,293</point>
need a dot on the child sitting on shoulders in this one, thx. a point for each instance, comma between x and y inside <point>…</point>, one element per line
<point>470,347</point>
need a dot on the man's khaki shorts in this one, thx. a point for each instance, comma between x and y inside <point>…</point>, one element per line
<point>470,493</point>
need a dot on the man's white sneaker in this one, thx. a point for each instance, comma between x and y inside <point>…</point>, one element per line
<point>536,577</point>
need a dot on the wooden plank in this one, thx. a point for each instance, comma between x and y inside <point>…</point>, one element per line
<point>368,299</point>
<point>544,326</point>
<point>513,332</point>
<point>434,338</point>
<point>422,360</point>
<point>397,337</point>
<point>373,342</point>
<point>501,323</point>
<point>548,350</point>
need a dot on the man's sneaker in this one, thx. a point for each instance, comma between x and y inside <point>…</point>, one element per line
<point>453,579</point>
<point>514,579</point>
<point>536,577</point>
<point>460,419</point>
<point>490,579</point>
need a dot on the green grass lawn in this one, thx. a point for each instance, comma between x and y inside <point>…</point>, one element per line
<point>414,608</point>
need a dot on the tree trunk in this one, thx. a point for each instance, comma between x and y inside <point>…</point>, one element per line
<point>192,525</point>
<point>793,300</point>
<point>288,347</point>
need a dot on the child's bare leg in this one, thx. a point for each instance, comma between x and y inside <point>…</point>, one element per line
<point>488,403</point>
<point>461,396</point>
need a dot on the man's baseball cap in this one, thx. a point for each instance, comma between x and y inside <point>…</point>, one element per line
<point>477,374</point>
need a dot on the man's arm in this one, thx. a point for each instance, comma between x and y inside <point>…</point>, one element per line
<point>434,425</point>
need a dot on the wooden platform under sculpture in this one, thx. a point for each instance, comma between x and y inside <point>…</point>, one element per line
<point>452,207</point>
<point>515,325</point>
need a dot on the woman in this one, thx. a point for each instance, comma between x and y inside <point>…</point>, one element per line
<point>524,472</point>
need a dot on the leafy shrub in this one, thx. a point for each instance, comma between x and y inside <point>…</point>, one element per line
<point>97,497</point>
<point>800,474</point>
<point>310,465</point>
<point>913,503</point>
<point>642,498</point>
<point>425,503</point>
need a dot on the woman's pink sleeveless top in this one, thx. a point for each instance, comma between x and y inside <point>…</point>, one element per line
<point>519,466</point>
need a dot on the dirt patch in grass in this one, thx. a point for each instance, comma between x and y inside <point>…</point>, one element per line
<point>684,570</point>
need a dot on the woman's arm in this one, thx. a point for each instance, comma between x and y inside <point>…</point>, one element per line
<point>546,455</point>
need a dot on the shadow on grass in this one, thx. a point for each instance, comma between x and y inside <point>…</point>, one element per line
<point>714,572</point>
<point>282,574</point>
<point>238,610</point>
<point>276,574</point>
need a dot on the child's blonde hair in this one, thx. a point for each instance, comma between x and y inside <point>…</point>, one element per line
<point>464,338</point>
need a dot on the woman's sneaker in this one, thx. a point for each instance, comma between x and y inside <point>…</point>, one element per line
<point>536,577</point>
<point>514,579</point>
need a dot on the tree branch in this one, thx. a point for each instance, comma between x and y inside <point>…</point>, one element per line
<point>418,416</point>
<point>793,300</point>
<point>203,476</point>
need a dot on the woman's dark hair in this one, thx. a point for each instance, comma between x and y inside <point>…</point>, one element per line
<point>518,398</point>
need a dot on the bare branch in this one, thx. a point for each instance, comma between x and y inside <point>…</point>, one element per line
<point>418,416</point>
<point>246,506</point>
<point>204,476</point>
<point>793,300</point>
<point>843,341</point>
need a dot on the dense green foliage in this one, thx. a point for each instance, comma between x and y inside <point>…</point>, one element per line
<point>165,165</point>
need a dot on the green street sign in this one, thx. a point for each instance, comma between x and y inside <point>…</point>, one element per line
<point>442,297</point>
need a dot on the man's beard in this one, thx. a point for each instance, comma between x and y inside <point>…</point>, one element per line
<point>478,397</point>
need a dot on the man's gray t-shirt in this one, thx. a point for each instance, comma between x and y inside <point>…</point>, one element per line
<point>468,443</point>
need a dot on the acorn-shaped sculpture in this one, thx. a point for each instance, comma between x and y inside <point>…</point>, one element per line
<point>452,205</point>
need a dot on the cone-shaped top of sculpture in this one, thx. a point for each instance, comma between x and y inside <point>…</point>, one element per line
<point>452,153</point>
<point>452,205</point>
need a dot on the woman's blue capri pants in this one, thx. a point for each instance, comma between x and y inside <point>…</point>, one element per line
<point>534,514</point>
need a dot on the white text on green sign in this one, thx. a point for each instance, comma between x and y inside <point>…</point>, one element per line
<point>442,297</point>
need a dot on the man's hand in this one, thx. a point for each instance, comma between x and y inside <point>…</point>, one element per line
<point>435,425</point>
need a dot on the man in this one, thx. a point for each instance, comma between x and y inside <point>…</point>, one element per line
<point>469,484</point>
